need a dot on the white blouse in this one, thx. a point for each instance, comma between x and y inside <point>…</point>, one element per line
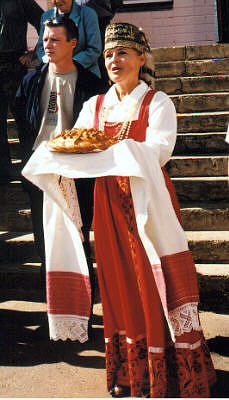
<point>162,128</point>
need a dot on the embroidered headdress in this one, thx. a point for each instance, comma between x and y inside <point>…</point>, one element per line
<point>128,35</point>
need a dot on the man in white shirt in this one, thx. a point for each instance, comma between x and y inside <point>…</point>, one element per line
<point>48,101</point>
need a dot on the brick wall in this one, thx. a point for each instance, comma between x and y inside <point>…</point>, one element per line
<point>189,22</point>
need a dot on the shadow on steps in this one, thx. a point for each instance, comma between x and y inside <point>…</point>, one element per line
<point>221,388</point>
<point>24,341</point>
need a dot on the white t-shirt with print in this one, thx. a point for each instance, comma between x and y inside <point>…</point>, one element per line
<point>56,105</point>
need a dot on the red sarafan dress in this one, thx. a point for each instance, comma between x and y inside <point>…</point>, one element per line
<point>139,350</point>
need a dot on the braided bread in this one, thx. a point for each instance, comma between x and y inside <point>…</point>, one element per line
<point>81,141</point>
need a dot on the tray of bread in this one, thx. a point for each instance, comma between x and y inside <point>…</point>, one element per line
<point>81,140</point>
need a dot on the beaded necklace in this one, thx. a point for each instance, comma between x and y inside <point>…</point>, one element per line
<point>122,127</point>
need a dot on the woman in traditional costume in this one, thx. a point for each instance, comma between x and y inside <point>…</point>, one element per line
<point>153,339</point>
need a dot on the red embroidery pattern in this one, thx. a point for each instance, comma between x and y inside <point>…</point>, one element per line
<point>126,200</point>
<point>129,215</point>
<point>127,365</point>
<point>175,373</point>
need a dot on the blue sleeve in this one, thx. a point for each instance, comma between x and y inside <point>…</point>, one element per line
<point>40,48</point>
<point>93,45</point>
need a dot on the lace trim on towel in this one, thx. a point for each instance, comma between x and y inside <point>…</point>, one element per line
<point>184,319</point>
<point>68,188</point>
<point>63,327</point>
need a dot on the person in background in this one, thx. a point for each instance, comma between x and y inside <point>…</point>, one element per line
<point>48,101</point>
<point>105,10</point>
<point>14,60</point>
<point>154,343</point>
<point>89,46</point>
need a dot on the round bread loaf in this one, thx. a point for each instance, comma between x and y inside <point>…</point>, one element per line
<point>81,140</point>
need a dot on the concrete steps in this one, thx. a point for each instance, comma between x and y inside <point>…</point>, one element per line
<point>16,219</point>
<point>180,53</point>
<point>209,246</point>
<point>15,149</point>
<point>13,195</point>
<point>213,282</point>
<point>200,102</point>
<point>175,85</point>
<point>12,130</point>
<point>202,216</point>
<point>180,166</point>
<point>201,144</point>
<point>202,189</point>
<point>191,68</point>
<point>203,122</point>
<point>205,217</point>
<point>206,246</point>
<point>197,79</point>
<point>23,275</point>
<point>17,247</point>
<point>22,270</point>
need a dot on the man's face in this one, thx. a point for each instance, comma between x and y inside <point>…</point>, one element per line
<point>64,6</point>
<point>56,46</point>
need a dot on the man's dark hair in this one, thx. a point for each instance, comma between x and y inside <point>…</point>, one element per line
<point>71,28</point>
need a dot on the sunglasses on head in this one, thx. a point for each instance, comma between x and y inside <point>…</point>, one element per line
<point>63,20</point>
<point>56,20</point>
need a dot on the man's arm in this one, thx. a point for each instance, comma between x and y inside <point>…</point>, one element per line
<point>33,14</point>
<point>25,131</point>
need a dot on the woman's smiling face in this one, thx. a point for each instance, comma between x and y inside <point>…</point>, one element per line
<point>123,64</point>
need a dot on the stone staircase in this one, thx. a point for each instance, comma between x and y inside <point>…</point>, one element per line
<point>197,79</point>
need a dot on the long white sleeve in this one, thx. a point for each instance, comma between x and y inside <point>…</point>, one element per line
<point>162,129</point>
<point>87,114</point>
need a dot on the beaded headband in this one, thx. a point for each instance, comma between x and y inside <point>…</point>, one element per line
<point>125,35</point>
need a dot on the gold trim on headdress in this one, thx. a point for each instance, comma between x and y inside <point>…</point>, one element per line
<point>126,35</point>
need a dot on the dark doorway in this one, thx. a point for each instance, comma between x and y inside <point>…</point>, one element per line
<point>223,20</point>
